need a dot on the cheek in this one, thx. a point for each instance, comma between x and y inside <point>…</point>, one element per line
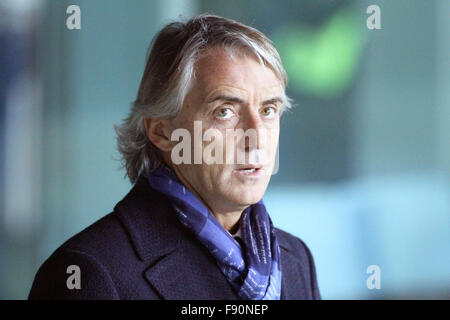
<point>272,139</point>
<point>274,143</point>
<point>224,149</point>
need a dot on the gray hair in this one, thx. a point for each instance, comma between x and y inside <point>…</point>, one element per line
<point>167,79</point>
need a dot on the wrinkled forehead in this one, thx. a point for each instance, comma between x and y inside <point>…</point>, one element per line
<point>220,67</point>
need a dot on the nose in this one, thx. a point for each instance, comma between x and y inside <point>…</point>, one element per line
<point>254,130</point>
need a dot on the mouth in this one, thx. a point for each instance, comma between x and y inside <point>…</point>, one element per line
<point>249,170</point>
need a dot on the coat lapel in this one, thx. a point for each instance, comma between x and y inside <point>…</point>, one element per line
<point>178,268</point>
<point>189,273</point>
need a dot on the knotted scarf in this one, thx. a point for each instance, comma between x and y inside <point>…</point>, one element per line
<point>253,270</point>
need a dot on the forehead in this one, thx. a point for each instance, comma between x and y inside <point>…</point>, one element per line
<point>217,69</point>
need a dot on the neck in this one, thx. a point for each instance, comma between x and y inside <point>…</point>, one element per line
<point>229,220</point>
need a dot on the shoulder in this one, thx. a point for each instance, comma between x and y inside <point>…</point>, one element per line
<point>298,248</point>
<point>113,252</point>
<point>293,244</point>
<point>85,253</point>
<point>106,234</point>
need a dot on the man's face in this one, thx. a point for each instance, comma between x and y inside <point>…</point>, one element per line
<point>228,95</point>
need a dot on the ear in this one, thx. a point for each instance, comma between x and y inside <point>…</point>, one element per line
<point>158,132</point>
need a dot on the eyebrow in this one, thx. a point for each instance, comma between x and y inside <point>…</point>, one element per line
<point>223,97</point>
<point>273,101</point>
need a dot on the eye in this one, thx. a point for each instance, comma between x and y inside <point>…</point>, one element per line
<point>224,113</point>
<point>269,112</point>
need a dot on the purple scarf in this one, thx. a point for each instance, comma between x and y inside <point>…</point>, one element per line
<point>253,271</point>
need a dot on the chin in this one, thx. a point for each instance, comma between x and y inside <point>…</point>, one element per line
<point>247,195</point>
<point>244,192</point>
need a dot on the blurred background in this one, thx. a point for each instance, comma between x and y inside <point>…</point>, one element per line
<point>364,175</point>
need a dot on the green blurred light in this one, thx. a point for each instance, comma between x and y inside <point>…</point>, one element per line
<point>322,62</point>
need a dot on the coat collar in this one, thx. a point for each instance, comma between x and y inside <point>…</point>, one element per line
<point>147,216</point>
<point>162,243</point>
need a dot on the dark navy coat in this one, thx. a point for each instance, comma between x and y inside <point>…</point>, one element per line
<point>142,251</point>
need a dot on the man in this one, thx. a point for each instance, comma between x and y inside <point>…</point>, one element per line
<point>194,225</point>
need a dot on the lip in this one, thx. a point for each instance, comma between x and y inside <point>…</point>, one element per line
<point>250,166</point>
<point>243,171</point>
